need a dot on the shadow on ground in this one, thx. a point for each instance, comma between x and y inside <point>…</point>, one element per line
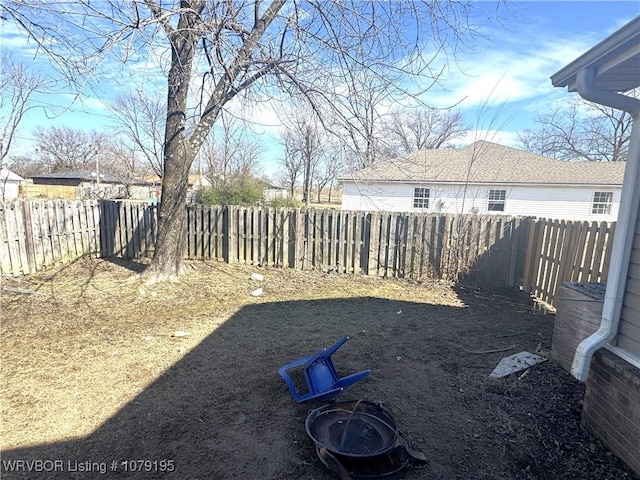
<point>222,412</point>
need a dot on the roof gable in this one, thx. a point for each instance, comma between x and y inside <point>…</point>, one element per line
<point>486,162</point>
<point>7,175</point>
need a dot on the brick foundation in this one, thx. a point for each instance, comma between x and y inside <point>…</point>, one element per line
<point>611,409</point>
<point>578,316</point>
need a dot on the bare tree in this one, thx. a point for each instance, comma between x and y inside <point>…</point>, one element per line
<point>304,142</point>
<point>330,167</point>
<point>412,130</point>
<point>60,149</point>
<point>291,165</point>
<point>231,150</point>
<point>141,119</point>
<point>125,164</point>
<point>363,110</point>
<point>64,148</point>
<point>581,131</point>
<point>257,48</point>
<point>18,86</point>
<point>25,165</point>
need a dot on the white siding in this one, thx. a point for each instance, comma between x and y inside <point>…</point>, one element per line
<point>9,190</point>
<point>570,203</point>
<point>382,197</point>
<point>629,331</point>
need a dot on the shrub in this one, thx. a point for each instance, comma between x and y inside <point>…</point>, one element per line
<point>233,191</point>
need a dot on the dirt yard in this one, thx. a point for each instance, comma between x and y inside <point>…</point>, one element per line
<point>103,378</point>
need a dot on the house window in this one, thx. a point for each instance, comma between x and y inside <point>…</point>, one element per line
<point>602,203</point>
<point>496,200</point>
<point>421,197</point>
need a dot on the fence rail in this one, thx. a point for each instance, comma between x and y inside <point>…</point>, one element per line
<point>502,250</point>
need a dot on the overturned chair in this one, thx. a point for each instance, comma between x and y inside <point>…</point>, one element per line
<point>320,375</point>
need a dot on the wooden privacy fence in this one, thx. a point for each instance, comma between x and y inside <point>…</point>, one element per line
<point>500,250</point>
<point>561,251</point>
<point>36,234</point>
<point>414,246</point>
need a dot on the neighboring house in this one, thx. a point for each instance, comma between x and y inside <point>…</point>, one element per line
<point>485,177</point>
<point>199,181</point>
<point>83,184</point>
<point>194,182</point>
<point>271,192</point>
<point>9,184</point>
<point>609,360</point>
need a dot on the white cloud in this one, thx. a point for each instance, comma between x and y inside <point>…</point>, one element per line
<point>16,41</point>
<point>509,69</point>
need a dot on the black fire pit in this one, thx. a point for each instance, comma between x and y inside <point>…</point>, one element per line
<point>359,440</point>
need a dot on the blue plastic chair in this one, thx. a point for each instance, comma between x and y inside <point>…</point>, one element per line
<point>320,375</point>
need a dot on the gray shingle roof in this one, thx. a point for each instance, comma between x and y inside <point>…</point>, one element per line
<point>487,162</point>
<point>90,177</point>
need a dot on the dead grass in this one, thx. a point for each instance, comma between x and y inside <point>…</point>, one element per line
<point>91,337</point>
<point>93,368</point>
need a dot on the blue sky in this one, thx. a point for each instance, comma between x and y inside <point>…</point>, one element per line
<point>500,83</point>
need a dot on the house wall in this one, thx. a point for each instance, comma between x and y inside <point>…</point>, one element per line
<point>86,190</point>
<point>273,193</point>
<point>9,189</point>
<point>629,330</point>
<point>611,408</point>
<point>29,190</point>
<point>570,203</point>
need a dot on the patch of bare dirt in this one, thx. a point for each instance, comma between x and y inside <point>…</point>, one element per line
<point>179,381</point>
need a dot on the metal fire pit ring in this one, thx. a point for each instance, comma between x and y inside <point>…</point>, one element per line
<point>359,440</point>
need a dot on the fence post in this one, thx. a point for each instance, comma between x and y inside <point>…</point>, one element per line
<point>293,238</point>
<point>232,233</point>
<point>373,243</point>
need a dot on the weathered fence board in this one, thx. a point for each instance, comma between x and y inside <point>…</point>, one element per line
<point>537,254</point>
<point>36,234</point>
<point>561,251</point>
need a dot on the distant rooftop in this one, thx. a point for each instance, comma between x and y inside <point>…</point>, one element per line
<point>489,163</point>
<point>90,177</point>
<point>8,175</point>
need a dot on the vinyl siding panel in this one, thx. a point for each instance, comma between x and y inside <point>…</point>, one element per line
<point>9,189</point>
<point>569,203</point>
<point>377,197</point>
<point>629,330</point>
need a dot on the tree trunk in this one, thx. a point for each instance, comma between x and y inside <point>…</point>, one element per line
<point>179,152</point>
<point>167,262</point>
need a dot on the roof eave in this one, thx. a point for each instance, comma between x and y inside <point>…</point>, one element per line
<point>485,182</point>
<point>619,50</point>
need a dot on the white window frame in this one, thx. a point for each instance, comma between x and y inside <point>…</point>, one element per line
<point>421,197</point>
<point>500,200</point>
<point>601,203</point>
